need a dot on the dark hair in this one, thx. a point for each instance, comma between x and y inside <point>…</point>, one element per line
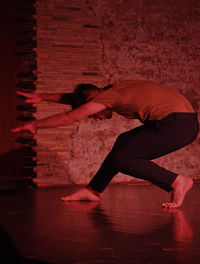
<point>83,93</point>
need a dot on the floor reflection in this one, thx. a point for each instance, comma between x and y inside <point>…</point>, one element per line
<point>182,229</point>
<point>127,226</point>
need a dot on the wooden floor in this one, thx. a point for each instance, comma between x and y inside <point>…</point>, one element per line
<point>128,226</point>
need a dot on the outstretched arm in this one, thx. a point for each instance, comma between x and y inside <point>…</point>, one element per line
<point>62,98</point>
<point>62,119</point>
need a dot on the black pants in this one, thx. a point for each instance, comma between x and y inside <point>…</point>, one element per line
<point>133,150</point>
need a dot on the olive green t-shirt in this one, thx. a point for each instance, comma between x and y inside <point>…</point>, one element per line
<point>143,100</point>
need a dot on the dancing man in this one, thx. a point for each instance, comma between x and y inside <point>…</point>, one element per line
<point>169,123</point>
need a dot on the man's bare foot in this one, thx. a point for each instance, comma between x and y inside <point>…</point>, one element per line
<point>84,194</point>
<point>180,187</point>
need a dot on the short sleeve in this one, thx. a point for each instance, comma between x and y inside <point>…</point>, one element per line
<point>109,97</point>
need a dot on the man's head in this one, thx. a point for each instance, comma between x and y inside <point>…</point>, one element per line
<point>84,93</point>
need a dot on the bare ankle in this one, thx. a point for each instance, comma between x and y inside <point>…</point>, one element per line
<point>180,180</point>
<point>92,190</point>
<point>177,181</point>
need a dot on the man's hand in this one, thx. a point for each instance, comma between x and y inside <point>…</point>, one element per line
<point>29,127</point>
<point>31,97</point>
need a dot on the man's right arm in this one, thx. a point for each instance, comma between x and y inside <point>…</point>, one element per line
<point>62,119</point>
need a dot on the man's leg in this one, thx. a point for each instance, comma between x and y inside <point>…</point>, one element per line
<point>133,151</point>
<point>124,157</point>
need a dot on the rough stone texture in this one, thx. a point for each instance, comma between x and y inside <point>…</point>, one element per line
<point>98,42</point>
<point>152,39</point>
<point>69,52</point>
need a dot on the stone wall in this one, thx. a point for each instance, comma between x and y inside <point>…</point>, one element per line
<point>69,53</point>
<point>152,39</point>
<point>99,42</point>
